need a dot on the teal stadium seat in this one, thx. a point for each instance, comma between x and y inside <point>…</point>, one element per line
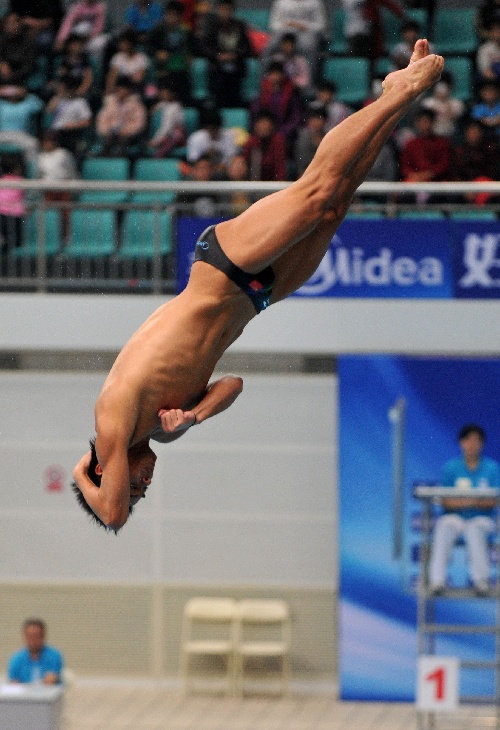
<point>199,78</point>
<point>461,69</point>
<point>473,215</point>
<point>148,170</point>
<point>338,42</point>
<point>430,215</point>
<point>251,84</point>
<point>191,119</point>
<point>391,24</point>
<point>351,76</point>
<point>52,230</point>
<point>236,117</point>
<point>365,215</point>
<point>454,31</point>
<point>92,234</point>
<point>105,168</point>
<point>254,17</point>
<point>139,230</point>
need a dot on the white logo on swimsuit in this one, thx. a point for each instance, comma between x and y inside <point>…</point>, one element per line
<point>203,244</point>
<point>344,266</point>
<point>479,259</point>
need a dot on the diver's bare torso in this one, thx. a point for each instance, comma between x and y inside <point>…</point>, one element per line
<point>168,362</point>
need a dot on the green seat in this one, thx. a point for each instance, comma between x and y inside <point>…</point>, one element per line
<point>473,215</point>
<point>139,230</point>
<point>199,78</point>
<point>365,215</point>
<point>236,117</point>
<point>251,84</point>
<point>51,221</point>
<point>92,234</point>
<point>461,70</point>
<point>351,76</point>
<point>105,168</point>
<point>455,31</point>
<point>382,67</point>
<point>153,170</point>
<point>431,215</point>
<point>391,24</point>
<point>338,43</point>
<point>191,119</point>
<point>254,17</point>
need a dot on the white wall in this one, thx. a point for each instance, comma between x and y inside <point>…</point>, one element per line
<point>248,498</point>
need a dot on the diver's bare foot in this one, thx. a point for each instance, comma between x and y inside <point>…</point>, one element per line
<point>415,78</point>
<point>420,50</point>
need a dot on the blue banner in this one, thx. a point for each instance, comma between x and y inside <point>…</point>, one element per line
<point>430,259</point>
<point>378,612</point>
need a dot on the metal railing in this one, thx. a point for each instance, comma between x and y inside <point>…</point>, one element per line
<point>40,263</point>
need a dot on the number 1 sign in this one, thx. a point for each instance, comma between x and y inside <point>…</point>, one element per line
<point>437,683</point>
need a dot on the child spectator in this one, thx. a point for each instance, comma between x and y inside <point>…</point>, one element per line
<point>122,120</point>
<point>227,46</point>
<point>171,132</point>
<point>75,64</point>
<point>488,53</point>
<point>477,156</point>
<point>427,157</point>
<point>488,109</point>
<point>239,200</point>
<point>212,140</point>
<point>170,46</point>
<point>336,111</point>
<point>72,116</point>
<point>129,62</point>
<point>265,150</point>
<point>448,109</point>
<point>279,97</point>
<point>57,163</point>
<point>12,204</point>
<point>201,205</point>
<point>296,66</point>
<point>141,17</point>
<point>308,139</point>
<point>86,18</point>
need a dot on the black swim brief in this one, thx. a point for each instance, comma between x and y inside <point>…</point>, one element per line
<point>256,286</point>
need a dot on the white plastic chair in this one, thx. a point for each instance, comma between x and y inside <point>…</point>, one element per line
<point>270,613</point>
<point>198,634</point>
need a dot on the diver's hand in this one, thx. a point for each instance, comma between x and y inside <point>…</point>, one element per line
<point>82,468</point>
<point>176,419</point>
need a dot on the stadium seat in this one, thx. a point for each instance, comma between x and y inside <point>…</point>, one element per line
<point>431,215</point>
<point>461,69</point>
<point>199,78</point>
<point>139,231</point>
<point>351,76</point>
<point>92,234</point>
<point>52,230</point>
<point>191,119</point>
<point>455,31</point>
<point>254,17</point>
<point>391,24</point>
<point>148,170</point>
<point>473,215</point>
<point>105,168</point>
<point>382,67</point>
<point>236,117</point>
<point>338,42</point>
<point>251,84</point>
<point>365,215</point>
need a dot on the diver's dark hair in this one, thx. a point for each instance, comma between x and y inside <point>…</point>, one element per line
<point>95,479</point>
<point>471,428</point>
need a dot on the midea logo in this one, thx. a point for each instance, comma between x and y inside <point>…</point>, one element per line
<point>479,259</point>
<point>350,267</point>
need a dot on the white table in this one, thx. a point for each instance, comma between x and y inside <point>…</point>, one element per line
<point>31,707</point>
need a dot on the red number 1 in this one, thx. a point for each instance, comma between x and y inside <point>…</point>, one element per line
<point>438,676</point>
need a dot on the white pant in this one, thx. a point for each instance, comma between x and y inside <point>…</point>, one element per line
<point>475,531</point>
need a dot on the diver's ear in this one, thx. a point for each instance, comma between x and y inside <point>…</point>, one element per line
<point>98,470</point>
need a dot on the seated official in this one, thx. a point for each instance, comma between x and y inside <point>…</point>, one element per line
<point>464,516</point>
<point>36,662</point>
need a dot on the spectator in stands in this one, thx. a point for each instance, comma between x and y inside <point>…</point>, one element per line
<point>72,116</point>
<point>363,26</point>
<point>42,18</point>
<point>37,662</point>
<point>212,140</point>
<point>488,109</point>
<point>201,205</point>
<point>57,163</point>
<point>12,204</point>
<point>448,109</point>
<point>426,157</point>
<point>122,120</point>
<point>488,13</point>
<point>239,200</point>
<point>477,158</point>
<point>19,114</point>
<point>488,53</point>
<point>141,17</point>
<point>265,150</point>
<point>171,131</point>
<point>401,53</point>
<point>75,64</point>
<point>385,168</point>
<point>296,66</point>
<point>306,19</point>
<point>170,46</point>
<point>129,61</point>
<point>17,51</point>
<point>336,110</point>
<point>308,139</point>
<point>227,46</point>
<point>86,18</point>
<point>279,97</point>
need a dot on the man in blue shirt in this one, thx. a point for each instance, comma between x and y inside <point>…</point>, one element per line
<point>37,662</point>
<point>467,517</point>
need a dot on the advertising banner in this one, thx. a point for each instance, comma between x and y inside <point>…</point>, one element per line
<point>476,259</point>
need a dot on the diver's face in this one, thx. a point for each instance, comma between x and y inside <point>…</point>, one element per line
<point>141,464</point>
